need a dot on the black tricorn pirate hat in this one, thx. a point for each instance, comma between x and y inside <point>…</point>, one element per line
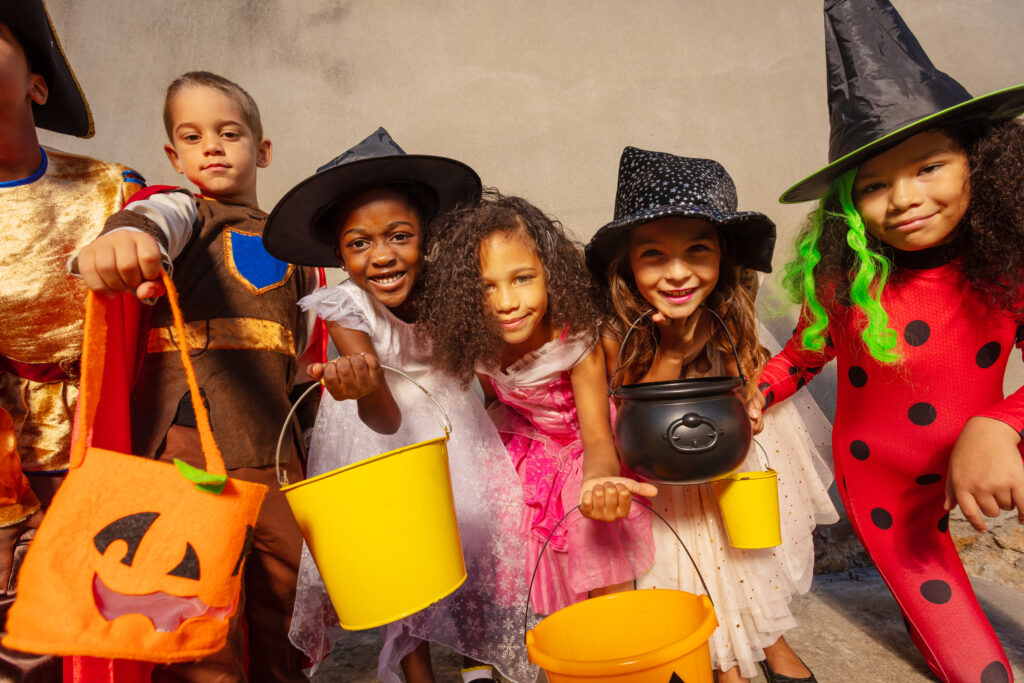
<point>295,231</point>
<point>655,185</point>
<point>883,89</point>
<point>66,110</point>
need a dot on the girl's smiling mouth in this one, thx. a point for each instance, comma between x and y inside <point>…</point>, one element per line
<point>388,281</point>
<point>910,224</point>
<point>513,323</point>
<point>678,296</point>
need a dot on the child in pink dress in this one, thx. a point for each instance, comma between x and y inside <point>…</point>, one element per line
<point>508,296</point>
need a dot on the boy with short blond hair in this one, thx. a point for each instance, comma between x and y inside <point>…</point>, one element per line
<point>239,305</point>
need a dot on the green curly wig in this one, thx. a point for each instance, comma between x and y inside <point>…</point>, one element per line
<point>869,271</point>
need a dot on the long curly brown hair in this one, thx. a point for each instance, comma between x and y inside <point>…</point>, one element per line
<point>989,239</point>
<point>731,298</point>
<point>451,306</point>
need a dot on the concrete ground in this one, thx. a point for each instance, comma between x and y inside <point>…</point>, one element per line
<point>850,630</point>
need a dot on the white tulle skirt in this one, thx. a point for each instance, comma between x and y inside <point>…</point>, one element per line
<point>751,589</point>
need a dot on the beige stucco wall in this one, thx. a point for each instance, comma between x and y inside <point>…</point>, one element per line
<point>538,96</point>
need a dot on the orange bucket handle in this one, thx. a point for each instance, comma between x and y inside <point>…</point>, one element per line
<point>536,566</point>
<point>282,477</point>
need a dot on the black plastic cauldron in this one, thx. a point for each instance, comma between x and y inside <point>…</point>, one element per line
<point>684,431</point>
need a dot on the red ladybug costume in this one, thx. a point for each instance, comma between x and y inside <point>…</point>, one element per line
<point>894,430</point>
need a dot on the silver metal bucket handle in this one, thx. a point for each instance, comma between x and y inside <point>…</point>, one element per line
<point>282,477</point>
<point>540,555</point>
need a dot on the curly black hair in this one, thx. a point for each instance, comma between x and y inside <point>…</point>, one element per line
<point>989,240</point>
<point>451,306</point>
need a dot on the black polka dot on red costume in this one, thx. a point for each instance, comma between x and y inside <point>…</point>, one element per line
<point>881,518</point>
<point>926,479</point>
<point>995,672</point>
<point>844,484</point>
<point>922,414</point>
<point>1019,337</point>
<point>800,382</point>
<point>858,376</point>
<point>936,591</point>
<point>988,354</point>
<point>793,369</point>
<point>944,523</point>
<point>769,398</point>
<point>762,386</point>
<point>859,450</point>
<point>916,332</point>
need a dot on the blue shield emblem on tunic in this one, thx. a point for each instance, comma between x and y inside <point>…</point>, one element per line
<point>250,263</point>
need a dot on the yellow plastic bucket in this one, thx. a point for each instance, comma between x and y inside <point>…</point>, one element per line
<point>749,503</point>
<point>383,531</point>
<point>643,636</point>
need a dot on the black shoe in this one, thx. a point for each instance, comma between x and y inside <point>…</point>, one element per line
<point>773,677</point>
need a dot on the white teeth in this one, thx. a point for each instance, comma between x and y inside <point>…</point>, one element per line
<point>387,280</point>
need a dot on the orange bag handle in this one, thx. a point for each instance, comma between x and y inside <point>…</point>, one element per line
<point>91,381</point>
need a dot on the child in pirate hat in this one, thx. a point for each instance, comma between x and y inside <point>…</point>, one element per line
<point>50,203</point>
<point>371,211</point>
<point>910,272</point>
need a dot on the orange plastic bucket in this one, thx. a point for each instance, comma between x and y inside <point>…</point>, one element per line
<point>645,636</point>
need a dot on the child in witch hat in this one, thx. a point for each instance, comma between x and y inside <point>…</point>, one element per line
<point>910,272</point>
<point>677,250</point>
<point>371,211</point>
<point>50,203</point>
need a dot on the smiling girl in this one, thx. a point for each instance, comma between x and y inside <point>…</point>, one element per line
<point>910,273</point>
<point>509,297</point>
<point>370,211</point>
<point>677,250</point>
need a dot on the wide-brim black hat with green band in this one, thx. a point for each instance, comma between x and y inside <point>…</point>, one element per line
<point>65,110</point>
<point>883,89</point>
<point>296,231</point>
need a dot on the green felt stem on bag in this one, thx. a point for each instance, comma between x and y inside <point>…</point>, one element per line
<point>204,481</point>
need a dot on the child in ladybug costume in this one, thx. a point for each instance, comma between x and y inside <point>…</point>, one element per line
<point>910,273</point>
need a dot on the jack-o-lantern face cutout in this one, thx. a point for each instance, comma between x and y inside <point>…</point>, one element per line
<point>166,611</point>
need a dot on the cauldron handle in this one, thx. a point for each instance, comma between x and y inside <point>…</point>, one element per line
<point>282,477</point>
<point>529,591</point>
<point>622,346</point>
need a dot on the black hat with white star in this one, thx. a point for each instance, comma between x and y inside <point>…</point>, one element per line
<point>655,185</point>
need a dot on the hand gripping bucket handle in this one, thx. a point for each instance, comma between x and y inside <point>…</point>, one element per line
<point>282,477</point>
<point>622,347</point>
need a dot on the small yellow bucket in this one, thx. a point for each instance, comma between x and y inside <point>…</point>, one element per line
<point>634,637</point>
<point>641,636</point>
<point>749,503</point>
<point>383,531</point>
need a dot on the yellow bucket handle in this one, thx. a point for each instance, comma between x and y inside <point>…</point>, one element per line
<point>529,591</point>
<point>282,477</point>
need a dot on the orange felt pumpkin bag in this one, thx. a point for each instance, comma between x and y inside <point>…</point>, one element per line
<point>135,558</point>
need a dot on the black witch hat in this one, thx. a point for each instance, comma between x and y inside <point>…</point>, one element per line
<point>883,89</point>
<point>296,231</point>
<point>655,185</point>
<point>65,110</point>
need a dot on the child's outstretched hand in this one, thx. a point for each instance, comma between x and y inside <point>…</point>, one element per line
<point>607,499</point>
<point>986,473</point>
<point>122,261</point>
<point>349,377</point>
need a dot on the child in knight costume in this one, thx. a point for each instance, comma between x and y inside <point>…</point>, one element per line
<point>241,318</point>
<point>51,204</point>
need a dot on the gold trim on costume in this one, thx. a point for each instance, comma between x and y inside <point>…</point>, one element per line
<point>229,260</point>
<point>234,334</point>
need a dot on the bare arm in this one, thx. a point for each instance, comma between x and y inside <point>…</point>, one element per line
<point>356,374</point>
<point>604,495</point>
